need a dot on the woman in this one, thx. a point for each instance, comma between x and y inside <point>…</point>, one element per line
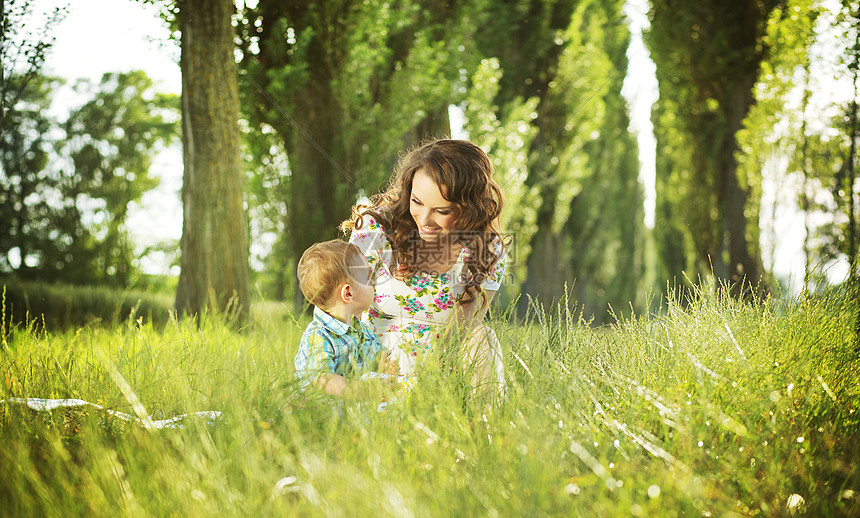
<point>433,241</point>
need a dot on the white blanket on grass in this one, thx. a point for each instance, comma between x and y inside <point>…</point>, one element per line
<point>46,405</point>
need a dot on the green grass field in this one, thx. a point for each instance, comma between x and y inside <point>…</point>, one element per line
<point>717,408</point>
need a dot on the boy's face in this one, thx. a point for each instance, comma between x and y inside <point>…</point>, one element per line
<point>362,288</point>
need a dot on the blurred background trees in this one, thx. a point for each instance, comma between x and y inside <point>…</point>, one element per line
<point>68,184</point>
<point>708,56</point>
<point>329,93</point>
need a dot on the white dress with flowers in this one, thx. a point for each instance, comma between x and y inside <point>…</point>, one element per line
<point>409,315</point>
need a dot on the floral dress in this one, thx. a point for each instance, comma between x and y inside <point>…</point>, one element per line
<point>409,315</point>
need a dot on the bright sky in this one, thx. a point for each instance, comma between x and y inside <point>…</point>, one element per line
<point>101,36</point>
<point>640,89</point>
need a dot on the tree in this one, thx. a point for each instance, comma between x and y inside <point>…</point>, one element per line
<point>22,88</point>
<point>529,38</point>
<point>507,141</point>
<point>22,50</point>
<point>345,86</point>
<point>845,188</point>
<point>605,231</point>
<point>110,141</point>
<point>776,132</point>
<point>708,56</point>
<point>569,57</point>
<point>847,182</point>
<point>214,263</point>
<point>67,187</point>
<point>24,155</point>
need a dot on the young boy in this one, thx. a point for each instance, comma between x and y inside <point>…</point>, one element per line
<point>337,347</point>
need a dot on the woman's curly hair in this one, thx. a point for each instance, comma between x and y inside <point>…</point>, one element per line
<point>464,175</point>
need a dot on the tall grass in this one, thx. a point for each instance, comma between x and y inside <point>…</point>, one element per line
<point>716,408</point>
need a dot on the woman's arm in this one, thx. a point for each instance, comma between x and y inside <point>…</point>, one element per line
<point>470,315</point>
<point>467,316</point>
<point>471,347</point>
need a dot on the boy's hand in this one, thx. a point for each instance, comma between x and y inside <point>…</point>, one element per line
<point>331,384</point>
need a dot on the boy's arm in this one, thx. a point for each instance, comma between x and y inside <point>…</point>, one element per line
<point>315,367</point>
<point>314,361</point>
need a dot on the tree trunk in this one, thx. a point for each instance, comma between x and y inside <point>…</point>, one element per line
<point>323,186</point>
<point>854,275</point>
<point>743,267</point>
<point>544,279</point>
<point>214,260</point>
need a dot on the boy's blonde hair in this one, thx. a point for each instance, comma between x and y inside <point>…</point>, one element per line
<point>324,267</point>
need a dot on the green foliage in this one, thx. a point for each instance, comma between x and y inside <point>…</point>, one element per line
<point>25,43</point>
<point>111,141</point>
<point>832,175</point>
<point>604,233</point>
<point>843,184</point>
<point>718,407</point>
<point>66,193</point>
<point>333,91</point>
<point>708,56</point>
<point>25,148</point>
<point>508,143</point>
<point>566,163</point>
<point>798,141</point>
<point>774,127</point>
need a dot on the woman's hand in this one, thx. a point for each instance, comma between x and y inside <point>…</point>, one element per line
<point>386,365</point>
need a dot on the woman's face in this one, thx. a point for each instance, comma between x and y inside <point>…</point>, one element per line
<point>433,214</point>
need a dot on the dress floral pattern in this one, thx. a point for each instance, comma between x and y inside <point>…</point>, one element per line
<point>409,315</point>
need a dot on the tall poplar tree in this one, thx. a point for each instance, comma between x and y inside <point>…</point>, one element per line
<point>764,146</point>
<point>708,55</point>
<point>214,245</point>
<point>571,230</point>
<point>529,37</point>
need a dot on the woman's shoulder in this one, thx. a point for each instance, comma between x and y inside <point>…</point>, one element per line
<point>365,224</point>
<point>368,219</point>
<point>496,246</point>
<point>368,233</point>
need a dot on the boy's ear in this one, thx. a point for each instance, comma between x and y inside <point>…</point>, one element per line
<point>346,292</point>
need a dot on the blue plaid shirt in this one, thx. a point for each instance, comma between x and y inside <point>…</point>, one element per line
<point>330,346</point>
